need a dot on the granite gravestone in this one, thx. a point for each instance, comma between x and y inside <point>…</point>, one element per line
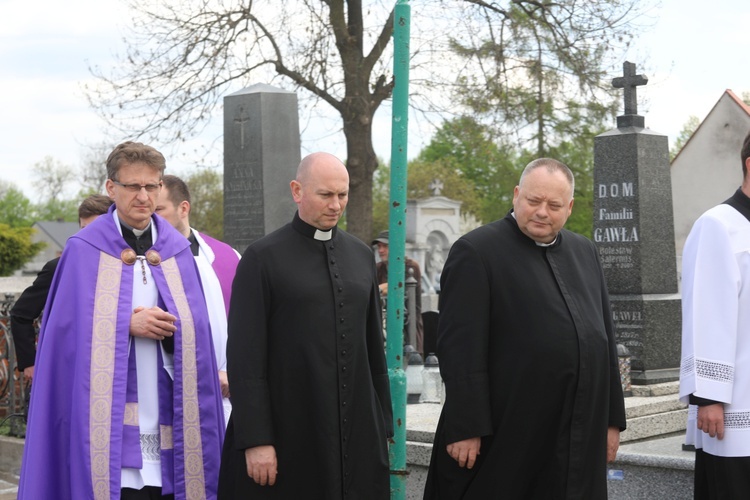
<point>261,155</point>
<point>634,232</point>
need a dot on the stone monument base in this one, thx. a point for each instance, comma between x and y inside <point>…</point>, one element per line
<point>650,326</point>
<point>650,377</point>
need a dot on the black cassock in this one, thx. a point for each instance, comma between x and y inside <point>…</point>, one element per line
<point>527,352</point>
<point>307,371</point>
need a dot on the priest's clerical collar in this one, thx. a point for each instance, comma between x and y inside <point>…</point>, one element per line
<point>137,232</point>
<point>306,229</point>
<point>139,240</point>
<point>513,213</point>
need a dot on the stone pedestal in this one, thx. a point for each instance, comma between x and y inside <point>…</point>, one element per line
<point>650,327</point>
<point>261,155</point>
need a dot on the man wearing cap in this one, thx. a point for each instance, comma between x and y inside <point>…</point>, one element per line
<point>382,274</point>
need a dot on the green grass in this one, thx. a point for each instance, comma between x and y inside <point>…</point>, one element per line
<point>19,426</point>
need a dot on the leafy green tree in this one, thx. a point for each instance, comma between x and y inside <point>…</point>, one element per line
<point>475,170</point>
<point>539,67</point>
<point>578,155</point>
<point>420,174</point>
<point>58,210</point>
<point>690,126</point>
<point>207,202</point>
<point>183,57</point>
<point>489,166</point>
<point>16,248</point>
<point>16,209</point>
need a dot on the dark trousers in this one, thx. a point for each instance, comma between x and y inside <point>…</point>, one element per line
<point>721,478</point>
<point>147,493</point>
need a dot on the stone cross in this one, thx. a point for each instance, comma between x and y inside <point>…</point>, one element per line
<point>437,187</point>
<point>628,82</point>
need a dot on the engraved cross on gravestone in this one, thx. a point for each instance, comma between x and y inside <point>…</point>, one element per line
<point>240,119</point>
<point>628,82</point>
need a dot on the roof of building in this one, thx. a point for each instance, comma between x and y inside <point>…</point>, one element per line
<point>57,232</point>
<point>728,92</point>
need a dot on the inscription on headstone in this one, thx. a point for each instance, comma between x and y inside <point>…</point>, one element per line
<point>261,154</point>
<point>617,231</point>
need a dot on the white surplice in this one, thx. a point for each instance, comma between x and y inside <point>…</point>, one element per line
<point>217,314</point>
<point>716,326</point>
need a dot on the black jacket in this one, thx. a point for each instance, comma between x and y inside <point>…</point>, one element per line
<point>27,308</point>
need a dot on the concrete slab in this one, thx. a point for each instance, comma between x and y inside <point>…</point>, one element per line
<point>656,468</point>
<point>8,486</point>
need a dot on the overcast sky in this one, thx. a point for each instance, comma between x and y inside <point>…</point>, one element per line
<point>694,52</point>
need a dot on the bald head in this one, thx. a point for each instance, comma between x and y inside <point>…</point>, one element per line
<point>321,190</point>
<point>320,160</point>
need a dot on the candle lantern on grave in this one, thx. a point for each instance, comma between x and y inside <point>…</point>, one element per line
<point>414,385</point>
<point>623,358</point>
<point>432,382</point>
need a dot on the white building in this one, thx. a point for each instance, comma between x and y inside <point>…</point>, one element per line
<point>708,169</point>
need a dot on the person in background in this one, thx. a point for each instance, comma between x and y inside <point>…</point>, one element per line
<point>30,303</point>
<point>311,405</point>
<point>125,401</point>
<point>534,405</point>
<point>381,244</point>
<point>217,263</point>
<point>714,372</point>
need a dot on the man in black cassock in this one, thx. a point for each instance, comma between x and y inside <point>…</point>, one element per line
<point>534,405</point>
<point>311,405</point>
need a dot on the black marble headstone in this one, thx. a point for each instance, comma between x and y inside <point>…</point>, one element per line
<point>261,155</point>
<point>634,232</point>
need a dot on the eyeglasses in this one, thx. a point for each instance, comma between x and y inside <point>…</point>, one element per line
<point>136,188</point>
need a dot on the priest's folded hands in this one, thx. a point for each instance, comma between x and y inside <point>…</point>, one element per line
<point>152,323</point>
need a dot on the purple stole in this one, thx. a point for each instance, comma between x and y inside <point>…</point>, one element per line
<point>224,265</point>
<point>131,442</point>
<point>131,439</point>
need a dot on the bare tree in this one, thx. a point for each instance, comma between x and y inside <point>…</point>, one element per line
<point>52,178</point>
<point>93,168</point>
<point>184,56</point>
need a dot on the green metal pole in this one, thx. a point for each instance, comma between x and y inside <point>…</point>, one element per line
<point>396,247</point>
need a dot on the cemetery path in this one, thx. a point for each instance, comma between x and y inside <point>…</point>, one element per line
<point>8,486</point>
